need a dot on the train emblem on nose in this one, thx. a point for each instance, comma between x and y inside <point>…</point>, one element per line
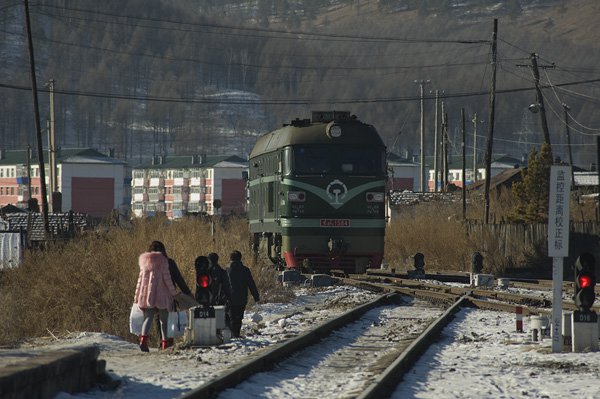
<point>336,191</point>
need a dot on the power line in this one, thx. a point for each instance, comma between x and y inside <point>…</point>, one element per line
<point>87,26</point>
<point>561,119</point>
<point>278,66</point>
<point>285,101</point>
<point>304,35</point>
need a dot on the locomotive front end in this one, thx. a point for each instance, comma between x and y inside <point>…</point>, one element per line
<point>328,196</point>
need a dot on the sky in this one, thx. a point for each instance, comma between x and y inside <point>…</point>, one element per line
<point>479,355</point>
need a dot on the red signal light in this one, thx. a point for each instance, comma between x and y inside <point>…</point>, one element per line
<point>585,281</point>
<point>203,281</point>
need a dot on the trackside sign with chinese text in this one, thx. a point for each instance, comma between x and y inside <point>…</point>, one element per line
<point>558,211</point>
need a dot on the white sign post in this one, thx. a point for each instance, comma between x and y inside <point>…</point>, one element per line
<point>558,243</point>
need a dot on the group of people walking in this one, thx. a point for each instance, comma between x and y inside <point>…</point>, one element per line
<point>160,278</point>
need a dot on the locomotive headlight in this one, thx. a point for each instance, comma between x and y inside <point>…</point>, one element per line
<point>375,197</point>
<point>334,130</point>
<point>296,196</point>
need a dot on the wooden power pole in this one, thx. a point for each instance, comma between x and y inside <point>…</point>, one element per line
<point>422,84</point>
<point>38,129</point>
<point>464,164</point>
<point>490,140</point>
<point>539,97</point>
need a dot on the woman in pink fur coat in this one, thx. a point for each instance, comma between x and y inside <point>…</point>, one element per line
<point>154,292</point>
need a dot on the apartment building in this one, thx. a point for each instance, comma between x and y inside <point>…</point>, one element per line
<point>180,185</point>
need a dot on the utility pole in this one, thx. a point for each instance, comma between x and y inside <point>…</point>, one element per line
<point>435,144</point>
<point>52,148</point>
<point>567,108</point>
<point>28,155</point>
<point>422,84</point>
<point>38,129</point>
<point>539,97</point>
<point>598,173</point>
<point>490,140</point>
<point>49,131</point>
<point>474,120</point>
<point>444,148</point>
<point>464,164</point>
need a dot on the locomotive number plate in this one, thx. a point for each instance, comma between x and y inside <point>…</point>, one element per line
<point>335,222</point>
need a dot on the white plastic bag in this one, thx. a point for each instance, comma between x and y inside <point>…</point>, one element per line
<point>177,323</point>
<point>136,319</point>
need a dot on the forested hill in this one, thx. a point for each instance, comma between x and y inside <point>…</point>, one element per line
<point>186,77</point>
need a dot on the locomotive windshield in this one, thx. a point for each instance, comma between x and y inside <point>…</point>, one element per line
<point>353,161</point>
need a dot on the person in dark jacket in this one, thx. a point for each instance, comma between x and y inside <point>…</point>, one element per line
<point>220,287</point>
<point>176,277</point>
<point>241,281</point>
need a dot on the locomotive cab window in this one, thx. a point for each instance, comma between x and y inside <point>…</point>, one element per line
<point>287,161</point>
<point>343,160</point>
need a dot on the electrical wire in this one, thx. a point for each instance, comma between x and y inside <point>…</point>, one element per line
<point>561,119</point>
<point>306,35</point>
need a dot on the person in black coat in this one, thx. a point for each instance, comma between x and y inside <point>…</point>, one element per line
<point>241,281</point>
<point>220,287</point>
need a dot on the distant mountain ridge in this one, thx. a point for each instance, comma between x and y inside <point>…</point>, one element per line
<point>167,78</point>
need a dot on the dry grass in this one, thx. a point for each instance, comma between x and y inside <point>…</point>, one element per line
<point>88,284</point>
<point>439,232</point>
<point>432,229</point>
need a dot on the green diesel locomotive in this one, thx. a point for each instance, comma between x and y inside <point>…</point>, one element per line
<point>317,194</point>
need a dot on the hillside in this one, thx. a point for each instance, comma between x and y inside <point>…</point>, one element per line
<point>207,77</point>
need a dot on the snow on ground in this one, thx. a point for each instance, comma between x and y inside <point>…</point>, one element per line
<point>479,356</point>
<point>352,355</point>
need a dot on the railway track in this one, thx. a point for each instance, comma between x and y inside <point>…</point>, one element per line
<point>358,342</point>
<point>539,299</point>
